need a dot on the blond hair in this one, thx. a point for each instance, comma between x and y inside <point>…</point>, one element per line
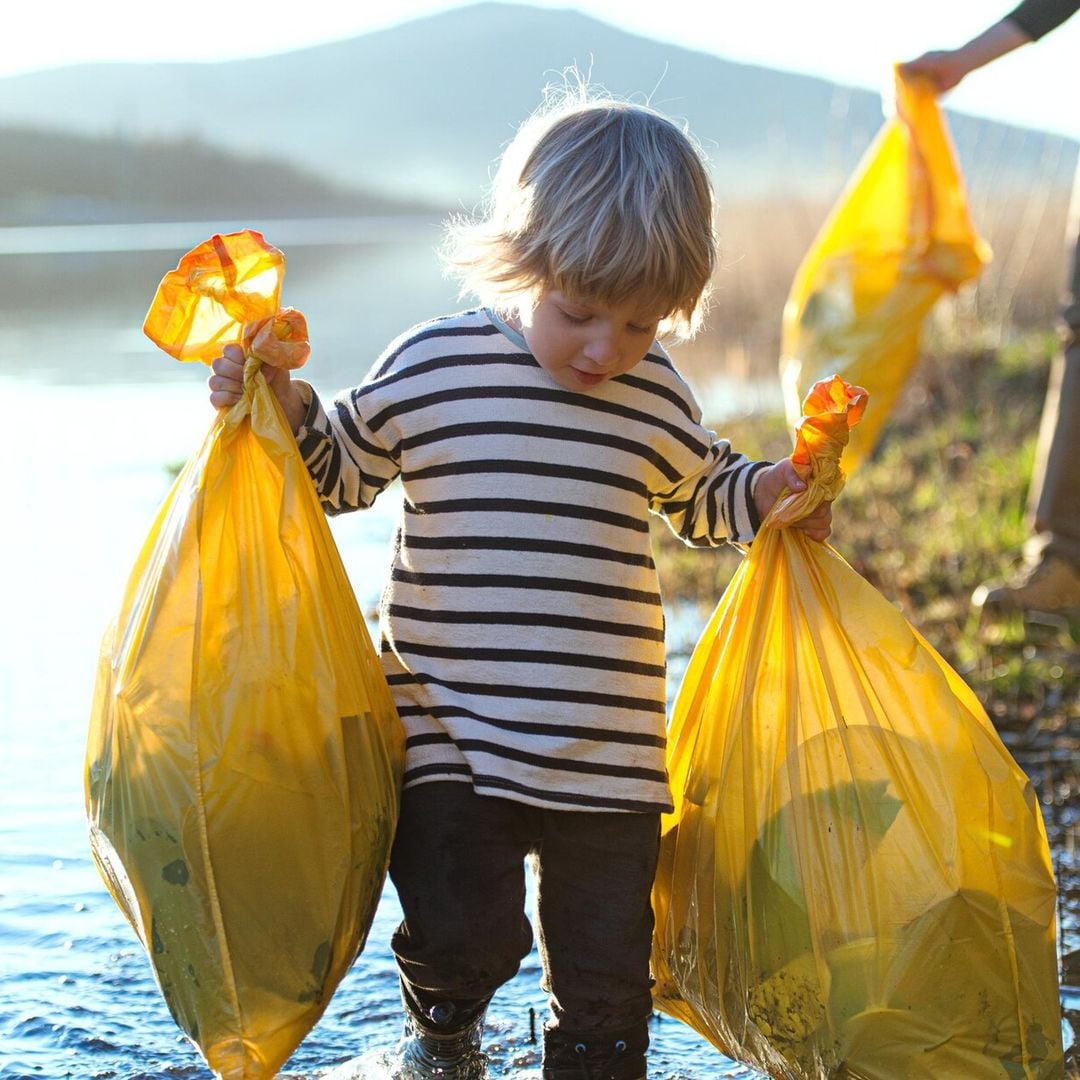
<point>601,199</point>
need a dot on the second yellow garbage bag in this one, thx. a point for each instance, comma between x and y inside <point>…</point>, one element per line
<point>244,755</point>
<point>899,237</point>
<point>855,881</point>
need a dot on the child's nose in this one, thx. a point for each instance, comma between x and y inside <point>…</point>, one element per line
<point>602,350</point>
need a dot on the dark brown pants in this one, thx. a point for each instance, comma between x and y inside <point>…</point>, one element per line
<point>458,866</point>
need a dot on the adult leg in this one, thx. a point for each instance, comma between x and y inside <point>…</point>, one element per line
<point>595,923</point>
<point>1055,487</point>
<point>1050,580</point>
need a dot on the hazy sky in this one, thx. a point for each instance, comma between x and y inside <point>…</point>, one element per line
<point>848,41</point>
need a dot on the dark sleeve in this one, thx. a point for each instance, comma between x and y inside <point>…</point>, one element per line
<point>1038,17</point>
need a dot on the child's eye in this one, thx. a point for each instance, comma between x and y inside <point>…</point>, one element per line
<point>640,329</point>
<point>570,316</point>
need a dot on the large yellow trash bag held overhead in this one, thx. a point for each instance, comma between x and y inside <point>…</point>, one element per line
<point>244,755</point>
<point>855,881</point>
<point>898,238</point>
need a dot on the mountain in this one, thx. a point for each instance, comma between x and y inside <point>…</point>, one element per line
<point>420,111</point>
<point>60,178</point>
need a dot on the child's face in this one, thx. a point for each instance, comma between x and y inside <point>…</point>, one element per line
<point>583,343</point>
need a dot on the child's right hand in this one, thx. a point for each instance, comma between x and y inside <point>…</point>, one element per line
<point>227,385</point>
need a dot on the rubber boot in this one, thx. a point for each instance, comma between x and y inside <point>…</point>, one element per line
<point>598,1055</point>
<point>436,1047</point>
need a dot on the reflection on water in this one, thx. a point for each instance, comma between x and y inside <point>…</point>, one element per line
<point>78,318</point>
<point>288,233</point>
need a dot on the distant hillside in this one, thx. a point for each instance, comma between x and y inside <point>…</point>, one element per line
<point>55,178</point>
<point>421,110</point>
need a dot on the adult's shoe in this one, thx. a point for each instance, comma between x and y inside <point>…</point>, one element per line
<point>1051,585</point>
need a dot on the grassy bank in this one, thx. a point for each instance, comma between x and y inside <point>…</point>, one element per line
<point>939,508</point>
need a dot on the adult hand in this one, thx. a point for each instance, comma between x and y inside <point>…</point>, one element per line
<point>943,69</point>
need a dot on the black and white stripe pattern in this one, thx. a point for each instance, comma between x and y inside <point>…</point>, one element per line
<point>523,634</point>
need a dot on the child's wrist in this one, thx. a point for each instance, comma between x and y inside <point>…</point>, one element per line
<point>292,404</point>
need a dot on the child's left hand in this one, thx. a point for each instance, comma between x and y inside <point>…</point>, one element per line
<point>773,480</point>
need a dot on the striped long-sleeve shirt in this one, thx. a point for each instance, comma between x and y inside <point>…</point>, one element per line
<point>522,628</point>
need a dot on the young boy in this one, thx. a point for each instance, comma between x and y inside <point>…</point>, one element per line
<point>522,629</point>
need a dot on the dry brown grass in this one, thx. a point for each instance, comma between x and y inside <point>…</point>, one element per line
<point>763,242</point>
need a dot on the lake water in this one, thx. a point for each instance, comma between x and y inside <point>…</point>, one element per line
<point>93,415</point>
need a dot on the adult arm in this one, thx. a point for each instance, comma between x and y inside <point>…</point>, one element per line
<point>1028,22</point>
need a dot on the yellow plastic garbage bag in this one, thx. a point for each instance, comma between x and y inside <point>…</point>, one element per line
<point>855,881</point>
<point>244,755</point>
<point>898,238</point>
